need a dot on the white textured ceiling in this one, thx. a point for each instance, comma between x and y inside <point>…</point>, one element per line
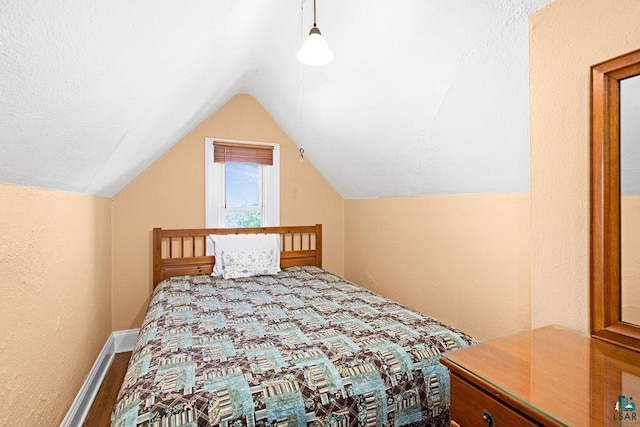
<point>423,97</point>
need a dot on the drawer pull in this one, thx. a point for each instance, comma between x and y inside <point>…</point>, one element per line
<point>486,416</point>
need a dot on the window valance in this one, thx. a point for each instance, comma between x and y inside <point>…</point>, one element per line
<point>242,153</point>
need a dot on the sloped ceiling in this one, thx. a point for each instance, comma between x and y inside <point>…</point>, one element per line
<point>423,97</point>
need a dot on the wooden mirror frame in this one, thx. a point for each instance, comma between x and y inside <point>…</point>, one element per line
<point>605,266</point>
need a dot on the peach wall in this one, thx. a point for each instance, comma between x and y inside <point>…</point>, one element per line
<point>55,310</point>
<point>170,194</point>
<point>566,38</point>
<point>630,236</point>
<point>463,259</point>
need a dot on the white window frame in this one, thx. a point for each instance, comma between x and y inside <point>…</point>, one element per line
<point>215,181</point>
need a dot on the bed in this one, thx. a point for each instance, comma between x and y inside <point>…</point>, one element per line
<point>300,347</point>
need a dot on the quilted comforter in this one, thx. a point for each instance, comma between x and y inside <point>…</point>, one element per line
<point>304,347</point>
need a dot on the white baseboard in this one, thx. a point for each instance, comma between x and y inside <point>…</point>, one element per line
<point>117,342</point>
<point>82,403</point>
<point>125,340</point>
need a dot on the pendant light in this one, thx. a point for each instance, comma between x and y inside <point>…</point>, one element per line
<point>315,50</point>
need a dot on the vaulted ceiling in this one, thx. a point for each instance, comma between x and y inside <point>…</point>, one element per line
<point>423,97</point>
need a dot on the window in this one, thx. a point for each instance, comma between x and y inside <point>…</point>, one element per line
<point>242,184</point>
<point>243,198</point>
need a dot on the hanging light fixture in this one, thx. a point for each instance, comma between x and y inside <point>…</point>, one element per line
<point>315,50</point>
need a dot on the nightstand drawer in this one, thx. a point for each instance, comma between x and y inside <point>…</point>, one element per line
<point>472,407</point>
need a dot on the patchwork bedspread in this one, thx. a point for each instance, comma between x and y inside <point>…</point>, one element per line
<point>301,348</point>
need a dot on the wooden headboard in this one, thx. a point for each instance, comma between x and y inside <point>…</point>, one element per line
<point>183,252</point>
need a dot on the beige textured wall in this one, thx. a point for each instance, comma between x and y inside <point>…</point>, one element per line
<point>463,259</point>
<point>566,38</point>
<point>170,194</point>
<point>630,235</point>
<point>55,310</point>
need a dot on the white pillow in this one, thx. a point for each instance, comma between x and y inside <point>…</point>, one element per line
<point>247,263</point>
<point>244,242</point>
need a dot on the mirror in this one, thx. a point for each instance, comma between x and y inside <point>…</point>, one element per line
<point>615,224</point>
<point>630,199</point>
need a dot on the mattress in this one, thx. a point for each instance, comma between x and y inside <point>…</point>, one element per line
<point>303,347</point>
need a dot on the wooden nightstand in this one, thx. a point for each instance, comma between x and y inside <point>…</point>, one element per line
<point>550,376</point>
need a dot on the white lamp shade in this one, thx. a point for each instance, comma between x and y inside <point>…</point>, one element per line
<point>315,50</point>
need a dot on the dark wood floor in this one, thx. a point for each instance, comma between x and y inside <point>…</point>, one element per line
<point>100,412</point>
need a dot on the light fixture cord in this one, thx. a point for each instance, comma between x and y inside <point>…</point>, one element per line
<point>314,13</point>
<point>301,116</point>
